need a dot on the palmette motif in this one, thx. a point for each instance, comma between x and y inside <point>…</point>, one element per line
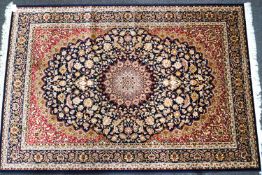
<point>128,84</point>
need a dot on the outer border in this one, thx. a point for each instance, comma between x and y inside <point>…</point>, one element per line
<point>254,80</point>
<point>148,167</point>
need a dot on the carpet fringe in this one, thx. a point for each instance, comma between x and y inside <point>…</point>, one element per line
<point>254,72</point>
<point>11,7</point>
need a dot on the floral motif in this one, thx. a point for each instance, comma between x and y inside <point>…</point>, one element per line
<point>128,84</point>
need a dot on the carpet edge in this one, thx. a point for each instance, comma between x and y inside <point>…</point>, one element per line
<point>254,71</point>
<point>6,27</point>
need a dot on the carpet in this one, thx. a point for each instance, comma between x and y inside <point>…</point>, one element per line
<point>128,87</point>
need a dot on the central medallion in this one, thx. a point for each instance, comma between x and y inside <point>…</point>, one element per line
<point>128,83</point>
